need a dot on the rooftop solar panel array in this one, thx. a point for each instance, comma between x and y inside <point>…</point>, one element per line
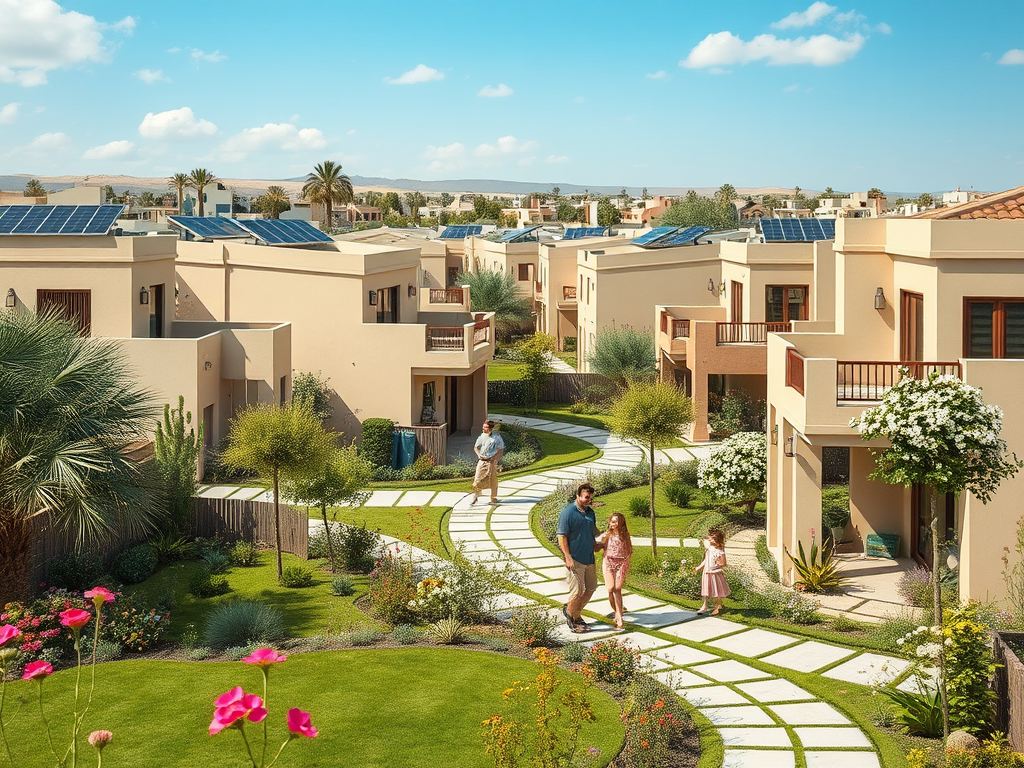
<point>460,231</point>
<point>58,219</point>
<point>284,232</point>
<point>797,230</point>
<point>209,227</point>
<point>684,236</point>
<point>654,235</point>
<point>577,233</point>
<point>520,235</point>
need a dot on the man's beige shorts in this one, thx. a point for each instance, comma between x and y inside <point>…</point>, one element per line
<point>582,578</point>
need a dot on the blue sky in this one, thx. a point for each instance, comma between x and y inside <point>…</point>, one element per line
<point>903,96</point>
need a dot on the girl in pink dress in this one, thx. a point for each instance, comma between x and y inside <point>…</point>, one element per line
<point>618,548</point>
<point>712,581</point>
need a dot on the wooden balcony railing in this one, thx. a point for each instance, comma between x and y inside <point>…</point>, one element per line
<point>446,339</point>
<point>680,329</point>
<point>865,381</point>
<point>481,332</point>
<point>446,295</point>
<point>568,293</point>
<point>794,370</point>
<point>748,333</point>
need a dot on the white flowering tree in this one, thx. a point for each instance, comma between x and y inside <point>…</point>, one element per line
<point>941,434</point>
<point>737,469</point>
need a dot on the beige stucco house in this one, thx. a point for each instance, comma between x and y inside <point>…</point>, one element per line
<point>944,292</point>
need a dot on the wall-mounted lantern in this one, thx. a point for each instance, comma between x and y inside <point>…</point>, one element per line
<point>11,300</point>
<point>788,450</point>
<point>143,295</point>
<point>711,285</point>
<point>721,287</point>
<point>412,290</point>
<point>775,435</point>
<point>207,365</point>
<point>373,298</point>
<point>879,298</point>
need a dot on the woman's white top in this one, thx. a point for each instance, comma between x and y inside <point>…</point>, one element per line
<point>487,446</point>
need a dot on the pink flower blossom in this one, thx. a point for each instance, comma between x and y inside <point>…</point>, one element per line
<point>75,618</point>
<point>235,705</point>
<point>8,632</point>
<point>100,739</point>
<point>37,669</point>
<point>99,596</point>
<point>264,657</point>
<point>230,697</point>
<point>300,724</point>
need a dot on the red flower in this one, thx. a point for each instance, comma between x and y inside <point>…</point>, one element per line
<point>99,596</point>
<point>300,724</point>
<point>36,669</point>
<point>75,618</point>
<point>8,632</point>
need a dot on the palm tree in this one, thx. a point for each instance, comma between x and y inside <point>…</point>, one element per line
<point>199,179</point>
<point>497,292</point>
<point>179,182</point>
<point>273,202</point>
<point>68,409</point>
<point>327,185</point>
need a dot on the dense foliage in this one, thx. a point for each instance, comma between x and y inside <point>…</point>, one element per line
<point>737,469</point>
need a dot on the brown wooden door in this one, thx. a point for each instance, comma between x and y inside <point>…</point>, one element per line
<point>911,326</point>
<point>736,315</point>
<point>76,306</point>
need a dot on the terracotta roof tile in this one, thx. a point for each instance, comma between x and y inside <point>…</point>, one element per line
<point>1001,205</point>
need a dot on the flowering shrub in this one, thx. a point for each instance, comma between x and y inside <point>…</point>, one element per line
<point>613,661</point>
<point>737,469</point>
<point>134,627</point>
<point>392,588</point>
<point>533,627</point>
<point>431,599</point>
<point>651,724</point>
<point>778,601</point>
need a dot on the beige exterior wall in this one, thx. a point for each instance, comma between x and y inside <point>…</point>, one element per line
<point>944,261</point>
<point>77,195</point>
<point>486,255</point>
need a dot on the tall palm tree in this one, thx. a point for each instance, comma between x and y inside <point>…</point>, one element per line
<point>497,292</point>
<point>68,409</point>
<point>274,201</point>
<point>327,185</point>
<point>199,179</point>
<point>179,182</point>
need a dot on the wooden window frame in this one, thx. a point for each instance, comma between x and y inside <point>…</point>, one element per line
<point>44,296</point>
<point>998,323</point>
<point>785,304</point>
<point>905,298</point>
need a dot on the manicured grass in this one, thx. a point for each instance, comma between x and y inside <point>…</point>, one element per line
<point>561,412</point>
<point>569,358</point>
<point>503,370</point>
<point>672,520</point>
<point>307,611</point>
<point>401,708</point>
<point>420,526</point>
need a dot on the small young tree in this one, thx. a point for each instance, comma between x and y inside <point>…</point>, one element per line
<point>341,481</point>
<point>624,355</point>
<point>176,456</point>
<point>279,442</point>
<point>942,435</point>
<point>310,388</point>
<point>534,355</point>
<point>737,469</point>
<point>652,413</point>
<point>497,292</point>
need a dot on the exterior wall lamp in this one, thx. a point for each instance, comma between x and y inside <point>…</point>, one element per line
<point>711,285</point>
<point>775,435</point>
<point>143,295</point>
<point>12,298</point>
<point>721,287</point>
<point>412,290</point>
<point>879,298</point>
<point>788,449</point>
<point>373,298</point>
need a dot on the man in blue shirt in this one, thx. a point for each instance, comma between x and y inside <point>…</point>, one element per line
<point>577,532</point>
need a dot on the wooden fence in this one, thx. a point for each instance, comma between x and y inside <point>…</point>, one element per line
<point>1009,687</point>
<point>252,521</point>
<point>560,388</point>
<point>430,438</point>
<point>46,544</point>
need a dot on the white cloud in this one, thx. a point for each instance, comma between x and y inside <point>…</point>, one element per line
<point>724,49</point>
<point>114,150</point>
<point>210,58</point>
<point>47,142</point>
<point>125,26</point>
<point>174,50</point>
<point>1012,57</point>
<point>661,74</point>
<point>849,17</point>
<point>499,92</point>
<point>791,88</point>
<point>283,137</point>
<point>351,132</point>
<point>506,145</point>
<point>9,112</point>
<point>527,161</point>
<point>554,159</point>
<point>38,36</point>
<point>421,73</point>
<point>884,28</point>
<point>175,124</point>
<point>447,157</point>
<point>151,76</point>
<point>814,13</point>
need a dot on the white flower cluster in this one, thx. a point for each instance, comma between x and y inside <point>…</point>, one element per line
<point>738,468</point>
<point>928,641</point>
<point>941,434</point>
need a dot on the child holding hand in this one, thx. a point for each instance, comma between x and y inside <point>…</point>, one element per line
<point>618,548</point>
<point>712,582</point>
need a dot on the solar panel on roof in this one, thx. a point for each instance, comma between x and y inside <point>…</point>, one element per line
<point>654,235</point>
<point>792,230</point>
<point>578,233</point>
<point>812,229</point>
<point>520,235</point>
<point>683,237</point>
<point>459,231</point>
<point>103,220</point>
<point>772,230</point>
<point>12,217</point>
<point>212,228</point>
<point>284,232</point>
<point>58,219</point>
<point>828,228</point>
<point>798,230</point>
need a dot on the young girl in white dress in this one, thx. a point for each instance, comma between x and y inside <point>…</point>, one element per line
<point>712,581</point>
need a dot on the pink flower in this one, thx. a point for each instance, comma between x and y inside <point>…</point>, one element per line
<point>264,657</point>
<point>299,723</point>
<point>8,632</point>
<point>235,705</point>
<point>75,618</point>
<point>100,739</point>
<point>99,596</point>
<point>231,697</point>
<point>36,669</point>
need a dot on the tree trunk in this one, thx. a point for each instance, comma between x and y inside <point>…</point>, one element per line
<point>654,517</point>
<point>937,597</point>
<point>330,544</point>
<point>329,205</point>
<point>277,521</point>
<point>14,557</point>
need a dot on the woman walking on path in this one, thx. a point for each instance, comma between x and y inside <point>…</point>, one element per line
<point>712,582</point>
<point>488,449</point>
<point>618,548</point>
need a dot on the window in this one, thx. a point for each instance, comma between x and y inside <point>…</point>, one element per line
<point>524,272</point>
<point>994,328</point>
<point>284,389</point>
<point>387,305</point>
<point>785,303</point>
<point>76,306</point>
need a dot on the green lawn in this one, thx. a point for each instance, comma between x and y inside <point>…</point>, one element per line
<point>503,370</point>
<point>569,358</point>
<point>561,412</point>
<point>672,520</point>
<point>420,526</point>
<point>401,708</point>
<point>307,611</point>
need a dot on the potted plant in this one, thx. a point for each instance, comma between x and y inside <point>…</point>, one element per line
<point>835,510</point>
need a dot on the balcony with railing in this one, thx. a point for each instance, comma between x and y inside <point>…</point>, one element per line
<point>568,293</point>
<point>748,333</point>
<point>458,338</point>
<point>867,381</point>
<point>453,299</point>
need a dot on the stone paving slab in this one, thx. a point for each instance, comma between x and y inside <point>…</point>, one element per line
<point>639,641</point>
<point>219,491</point>
<point>753,642</point>
<point>554,572</point>
<point>448,498</point>
<point>457,536</point>
<point>460,527</point>
<point>841,759</point>
<point>705,628</point>
<point>833,737</point>
<point>808,656</point>
<point>752,758</point>
<point>927,679</point>
<point>658,617</point>
<point>514,543</point>
<point>416,499</point>
<point>729,671</point>
<point>551,588</point>
<point>651,664</point>
<point>680,678</point>
<point>744,715</point>
<point>509,525</point>
<point>525,553</point>
<point>250,493</point>
<point>547,561</point>
<point>868,666</point>
<point>469,517</point>
<point>713,696</point>
<point>479,546</point>
<point>756,737</point>
<point>683,655</point>
<point>533,578</point>
<point>383,498</point>
<point>809,713</point>
<point>506,601</point>
<point>778,690</point>
<point>565,635</point>
<point>880,610</point>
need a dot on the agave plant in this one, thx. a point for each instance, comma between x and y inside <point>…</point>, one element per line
<point>817,576</point>
<point>920,713</point>
<point>447,631</point>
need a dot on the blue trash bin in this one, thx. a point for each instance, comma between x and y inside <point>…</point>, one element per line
<point>403,449</point>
